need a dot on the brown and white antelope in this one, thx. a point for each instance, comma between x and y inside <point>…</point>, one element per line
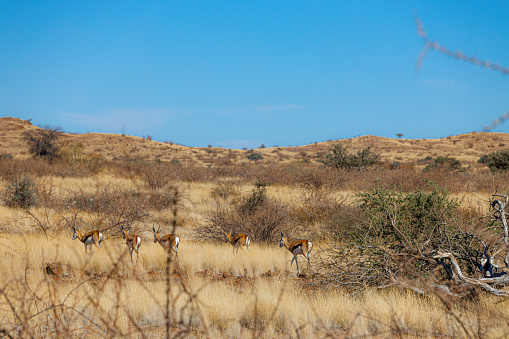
<point>133,242</point>
<point>169,242</point>
<point>92,237</point>
<point>297,247</point>
<point>238,241</point>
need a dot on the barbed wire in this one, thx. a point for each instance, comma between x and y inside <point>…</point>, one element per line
<point>435,46</point>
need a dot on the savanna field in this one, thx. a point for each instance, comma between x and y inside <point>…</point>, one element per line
<point>418,199</point>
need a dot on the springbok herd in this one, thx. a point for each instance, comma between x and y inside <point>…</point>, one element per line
<point>171,242</point>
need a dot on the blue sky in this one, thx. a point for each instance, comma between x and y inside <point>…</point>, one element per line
<point>242,73</point>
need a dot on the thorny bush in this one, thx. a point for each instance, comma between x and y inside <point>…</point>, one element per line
<point>396,236</point>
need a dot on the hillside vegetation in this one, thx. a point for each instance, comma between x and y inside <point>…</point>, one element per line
<point>467,148</point>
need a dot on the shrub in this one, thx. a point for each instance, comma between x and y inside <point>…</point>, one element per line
<point>43,142</point>
<point>156,175</point>
<point>255,157</point>
<point>257,197</point>
<point>338,157</point>
<point>394,236</point>
<point>445,163</point>
<point>225,189</point>
<point>20,192</point>
<point>496,161</point>
<point>255,214</point>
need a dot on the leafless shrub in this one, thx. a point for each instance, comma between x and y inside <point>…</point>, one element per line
<point>106,208</point>
<point>254,214</point>
<point>33,167</point>
<point>316,206</point>
<point>43,142</point>
<point>262,224</point>
<point>156,175</point>
<point>194,173</point>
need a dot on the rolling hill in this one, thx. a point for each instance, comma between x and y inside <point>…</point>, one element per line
<point>467,148</point>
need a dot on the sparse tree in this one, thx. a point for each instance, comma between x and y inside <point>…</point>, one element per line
<point>399,135</point>
<point>255,157</point>
<point>43,142</point>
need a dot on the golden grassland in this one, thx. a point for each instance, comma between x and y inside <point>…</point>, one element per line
<point>234,299</point>
<point>213,292</point>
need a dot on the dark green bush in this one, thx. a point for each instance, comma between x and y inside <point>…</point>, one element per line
<point>496,161</point>
<point>338,157</point>
<point>255,157</point>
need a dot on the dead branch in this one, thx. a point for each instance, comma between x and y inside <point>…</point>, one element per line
<point>484,283</point>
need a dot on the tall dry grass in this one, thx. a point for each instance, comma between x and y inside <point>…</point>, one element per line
<point>212,292</point>
<point>103,294</point>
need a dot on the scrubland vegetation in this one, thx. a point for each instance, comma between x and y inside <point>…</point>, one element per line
<point>378,233</point>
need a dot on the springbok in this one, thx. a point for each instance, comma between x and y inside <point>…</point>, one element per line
<point>169,242</point>
<point>92,237</point>
<point>238,241</point>
<point>133,242</point>
<point>297,247</point>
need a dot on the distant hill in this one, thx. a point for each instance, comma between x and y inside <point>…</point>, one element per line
<point>467,148</point>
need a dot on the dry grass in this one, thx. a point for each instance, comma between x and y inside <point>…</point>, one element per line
<point>211,291</point>
<point>104,294</point>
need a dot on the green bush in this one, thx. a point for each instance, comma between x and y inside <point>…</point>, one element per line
<point>496,161</point>
<point>255,157</point>
<point>338,157</point>
<point>394,235</point>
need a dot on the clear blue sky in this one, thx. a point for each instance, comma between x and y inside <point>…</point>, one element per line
<point>242,73</point>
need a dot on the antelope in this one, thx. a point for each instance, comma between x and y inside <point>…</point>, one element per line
<point>297,247</point>
<point>92,237</point>
<point>169,242</point>
<point>132,241</point>
<point>238,241</point>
